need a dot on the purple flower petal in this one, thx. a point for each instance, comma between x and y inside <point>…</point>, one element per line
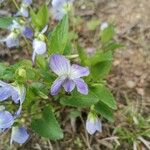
<point>24,12</point>
<point>17,93</point>
<point>27,32</point>
<point>6,119</point>
<point>59,64</point>
<point>19,135</point>
<point>93,124</point>
<point>59,8</point>
<point>18,112</point>
<point>98,125</point>
<point>12,40</point>
<point>27,2</point>
<point>15,96</point>
<point>5,93</point>
<point>69,85</point>
<point>78,71</point>
<point>90,126</point>
<point>39,47</point>
<point>81,86</point>
<point>56,86</point>
<point>6,90</point>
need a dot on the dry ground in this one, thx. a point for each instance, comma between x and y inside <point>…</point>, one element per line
<point>130,76</point>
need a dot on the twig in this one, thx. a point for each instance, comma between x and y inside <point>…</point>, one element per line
<point>146,143</point>
<point>134,146</point>
<point>87,142</point>
<point>50,145</point>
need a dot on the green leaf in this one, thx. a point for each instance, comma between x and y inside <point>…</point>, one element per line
<point>68,49</point>
<point>111,46</point>
<point>107,34</point>
<point>105,111</point>
<point>47,126</point>
<point>5,22</point>
<point>82,55</point>
<point>100,57</point>
<point>58,38</point>
<point>40,19</point>
<point>3,67</point>
<point>41,62</point>
<point>101,70</point>
<point>79,100</point>
<point>104,96</point>
<point>101,64</point>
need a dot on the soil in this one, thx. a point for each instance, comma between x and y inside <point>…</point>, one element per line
<point>129,79</point>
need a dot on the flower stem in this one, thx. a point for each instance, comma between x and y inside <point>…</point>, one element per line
<point>73,56</point>
<point>15,4</point>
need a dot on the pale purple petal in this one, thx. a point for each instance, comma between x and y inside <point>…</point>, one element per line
<point>39,47</point>
<point>12,40</point>
<point>14,25</point>
<point>3,83</point>
<point>58,8</point>
<point>5,93</point>
<point>57,14</point>
<point>68,85</point>
<point>90,126</point>
<point>27,2</point>
<point>24,12</point>
<point>78,71</point>
<point>19,135</point>
<point>6,119</point>
<point>27,32</point>
<point>16,93</point>
<point>59,64</point>
<point>81,86</point>
<point>22,92</point>
<point>56,86</point>
<point>98,125</point>
<point>18,112</point>
<point>15,96</point>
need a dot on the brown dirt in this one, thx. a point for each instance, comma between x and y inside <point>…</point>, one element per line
<point>130,76</point>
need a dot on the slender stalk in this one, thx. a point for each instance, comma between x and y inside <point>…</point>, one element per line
<point>16,4</point>
<point>73,56</point>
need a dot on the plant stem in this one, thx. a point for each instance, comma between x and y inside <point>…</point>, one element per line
<point>73,56</point>
<point>16,4</point>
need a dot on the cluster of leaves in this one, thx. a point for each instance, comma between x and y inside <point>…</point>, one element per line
<point>38,79</point>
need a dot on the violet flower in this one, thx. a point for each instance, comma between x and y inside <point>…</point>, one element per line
<point>19,135</point>
<point>12,40</point>
<point>39,44</point>
<point>69,75</point>
<point>16,29</point>
<point>93,124</point>
<point>24,8</point>
<point>27,32</point>
<point>16,93</point>
<point>60,8</point>
<point>6,119</point>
